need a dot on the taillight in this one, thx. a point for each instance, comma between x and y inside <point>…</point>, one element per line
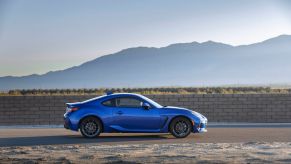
<point>72,109</point>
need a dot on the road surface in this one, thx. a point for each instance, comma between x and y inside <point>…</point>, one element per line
<point>57,136</point>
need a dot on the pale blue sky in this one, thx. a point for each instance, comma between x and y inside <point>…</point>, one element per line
<point>37,36</point>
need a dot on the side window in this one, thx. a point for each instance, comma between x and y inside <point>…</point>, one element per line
<point>128,102</point>
<point>110,103</point>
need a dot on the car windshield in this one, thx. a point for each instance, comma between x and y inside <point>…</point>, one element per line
<point>157,105</point>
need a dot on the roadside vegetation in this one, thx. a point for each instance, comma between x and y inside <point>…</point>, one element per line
<point>149,91</point>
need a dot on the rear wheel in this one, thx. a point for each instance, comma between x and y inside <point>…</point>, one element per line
<point>180,127</point>
<point>90,127</point>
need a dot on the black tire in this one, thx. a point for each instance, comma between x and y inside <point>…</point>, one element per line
<point>90,127</point>
<point>180,127</point>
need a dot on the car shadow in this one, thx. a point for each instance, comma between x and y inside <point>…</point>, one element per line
<point>77,139</point>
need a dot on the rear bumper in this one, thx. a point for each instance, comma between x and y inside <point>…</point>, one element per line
<point>66,123</point>
<point>69,123</point>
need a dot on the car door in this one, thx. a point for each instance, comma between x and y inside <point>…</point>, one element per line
<point>129,115</point>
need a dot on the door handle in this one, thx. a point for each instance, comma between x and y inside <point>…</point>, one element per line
<point>119,112</point>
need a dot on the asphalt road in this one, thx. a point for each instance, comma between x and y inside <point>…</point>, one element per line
<point>56,136</point>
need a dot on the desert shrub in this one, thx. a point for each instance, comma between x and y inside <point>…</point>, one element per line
<point>149,91</point>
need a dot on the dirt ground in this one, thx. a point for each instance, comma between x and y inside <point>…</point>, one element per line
<point>249,152</point>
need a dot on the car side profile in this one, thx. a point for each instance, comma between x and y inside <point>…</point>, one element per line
<point>131,113</point>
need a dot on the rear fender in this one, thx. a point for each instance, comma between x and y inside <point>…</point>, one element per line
<point>104,116</point>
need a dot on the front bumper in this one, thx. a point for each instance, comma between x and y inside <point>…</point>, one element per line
<point>200,128</point>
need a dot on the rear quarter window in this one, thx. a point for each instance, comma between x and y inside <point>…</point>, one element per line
<point>109,103</point>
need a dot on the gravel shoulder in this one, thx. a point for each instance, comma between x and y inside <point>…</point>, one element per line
<point>249,152</point>
<point>218,145</point>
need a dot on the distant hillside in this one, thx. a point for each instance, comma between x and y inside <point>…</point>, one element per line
<point>184,64</point>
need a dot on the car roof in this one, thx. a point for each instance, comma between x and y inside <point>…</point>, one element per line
<point>124,94</point>
<point>113,95</point>
<point>116,95</point>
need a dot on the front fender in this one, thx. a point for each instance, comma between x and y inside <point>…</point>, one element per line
<point>168,114</point>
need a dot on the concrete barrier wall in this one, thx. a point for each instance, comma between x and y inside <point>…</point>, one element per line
<point>49,110</point>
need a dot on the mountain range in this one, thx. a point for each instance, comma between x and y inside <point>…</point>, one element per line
<point>183,64</point>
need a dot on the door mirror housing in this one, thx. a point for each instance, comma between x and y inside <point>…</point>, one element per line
<point>146,105</point>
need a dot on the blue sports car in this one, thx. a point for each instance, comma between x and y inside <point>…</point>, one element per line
<point>133,113</point>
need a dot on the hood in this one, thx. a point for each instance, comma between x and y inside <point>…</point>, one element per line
<point>200,116</point>
<point>177,108</point>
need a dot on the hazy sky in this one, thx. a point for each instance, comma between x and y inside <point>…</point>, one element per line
<point>37,36</point>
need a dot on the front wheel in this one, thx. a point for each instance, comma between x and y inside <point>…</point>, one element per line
<point>180,127</point>
<point>90,127</point>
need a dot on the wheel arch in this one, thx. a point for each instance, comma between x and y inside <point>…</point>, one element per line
<point>91,115</point>
<point>171,120</point>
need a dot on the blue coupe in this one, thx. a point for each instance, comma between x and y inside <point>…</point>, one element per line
<point>131,113</point>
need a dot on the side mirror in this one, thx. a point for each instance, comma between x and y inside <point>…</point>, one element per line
<point>146,106</point>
